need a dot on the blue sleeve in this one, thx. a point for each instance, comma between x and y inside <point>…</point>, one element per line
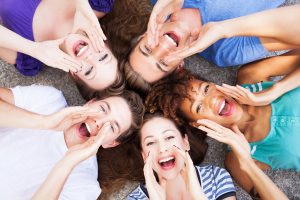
<point>137,194</point>
<point>102,5</point>
<point>186,4</point>
<point>235,51</point>
<point>224,183</point>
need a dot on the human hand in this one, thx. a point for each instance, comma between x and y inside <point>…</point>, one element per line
<point>209,34</point>
<point>86,20</point>
<point>190,175</point>
<point>50,54</point>
<point>234,138</point>
<point>161,10</point>
<point>81,152</point>
<point>67,117</point>
<point>155,191</point>
<point>244,96</point>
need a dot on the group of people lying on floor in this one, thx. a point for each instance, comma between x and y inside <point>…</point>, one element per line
<point>131,72</point>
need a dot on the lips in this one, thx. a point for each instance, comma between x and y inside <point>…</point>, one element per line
<point>173,38</point>
<point>79,48</point>
<point>225,108</point>
<point>167,162</point>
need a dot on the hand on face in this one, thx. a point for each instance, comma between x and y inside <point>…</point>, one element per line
<point>244,96</point>
<point>159,14</point>
<point>155,190</point>
<point>209,34</point>
<point>190,175</point>
<point>86,20</point>
<point>81,152</point>
<point>235,138</point>
<point>50,54</point>
<point>67,117</point>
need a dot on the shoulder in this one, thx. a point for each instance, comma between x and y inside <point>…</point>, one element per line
<point>39,98</point>
<point>138,194</point>
<point>216,182</point>
<point>257,87</point>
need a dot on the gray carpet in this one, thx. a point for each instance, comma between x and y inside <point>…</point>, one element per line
<point>288,181</point>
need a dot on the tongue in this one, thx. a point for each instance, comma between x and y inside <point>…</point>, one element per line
<point>79,47</point>
<point>83,130</point>
<point>167,164</point>
<point>226,109</point>
<point>174,37</point>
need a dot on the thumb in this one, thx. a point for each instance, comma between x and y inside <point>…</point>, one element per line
<point>236,129</point>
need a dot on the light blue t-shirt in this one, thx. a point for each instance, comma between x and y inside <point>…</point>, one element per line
<point>281,148</point>
<point>236,50</point>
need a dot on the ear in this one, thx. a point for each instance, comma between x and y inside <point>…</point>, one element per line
<point>110,145</point>
<point>180,66</point>
<point>186,142</point>
<point>90,101</point>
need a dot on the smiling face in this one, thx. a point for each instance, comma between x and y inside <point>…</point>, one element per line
<point>99,69</point>
<point>159,135</point>
<point>113,110</point>
<point>206,102</point>
<point>175,34</point>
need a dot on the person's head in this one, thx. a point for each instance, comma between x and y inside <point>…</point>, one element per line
<point>148,63</point>
<point>124,113</point>
<point>99,69</point>
<point>187,99</point>
<point>160,135</point>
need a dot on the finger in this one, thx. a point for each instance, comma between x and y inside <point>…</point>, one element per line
<point>68,66</point>
<point>210,131</point>
<point>180,151</point>
<point>70,61</point>
<point>211,124</point>
<point>101,33</point>
<point>236,129</point>
<point>228,92</point>
<point>99,38</point>
<point>233,88</point>
<point>216,137</point>
<point>92,39</point>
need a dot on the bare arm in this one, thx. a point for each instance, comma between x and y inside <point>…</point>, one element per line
<point>54,183</point>
<point>13,116</point>
<point>239,162</point>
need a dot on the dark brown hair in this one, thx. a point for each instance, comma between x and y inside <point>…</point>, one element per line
<point>167,95</point>
<point>129,163</point>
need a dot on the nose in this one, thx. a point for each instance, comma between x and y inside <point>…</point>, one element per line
<point>160,51</point>
<point>163,147</point>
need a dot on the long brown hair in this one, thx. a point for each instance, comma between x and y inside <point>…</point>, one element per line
<point>125,163</point>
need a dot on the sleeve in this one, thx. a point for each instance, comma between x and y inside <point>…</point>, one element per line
<point>224,183</point>
<point>257,87</point>
<point>39,99</point>
<point>102,5</point>
<point>137,194</point>
<point>235,51</point>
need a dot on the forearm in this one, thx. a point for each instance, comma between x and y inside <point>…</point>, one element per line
<point>54,183</point>
<point>12,116</point>
<point>277,24</point>
<point>13,41</point>
<point>262,183</point>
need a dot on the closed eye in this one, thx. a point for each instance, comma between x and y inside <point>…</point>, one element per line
<point>103,57</point>
<point>89,71</point>
<point>198,108</point>
<point>206,89</point>
<point>102,108</point>
<point>149,50</point>
<point>112,127</point>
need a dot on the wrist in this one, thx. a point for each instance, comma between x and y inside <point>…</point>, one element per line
<point>246,163</point>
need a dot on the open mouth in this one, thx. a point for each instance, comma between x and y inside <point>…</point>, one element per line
<point>167,163</point>
<point>84,130</point>
<point>79,48</point>
<point>173,38</point>
<point>225,108</point>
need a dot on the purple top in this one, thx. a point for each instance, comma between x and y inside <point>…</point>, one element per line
<point>17,16</point>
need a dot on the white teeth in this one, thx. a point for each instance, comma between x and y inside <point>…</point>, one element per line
<point>166,159</point>
<point>170,39</point>
<point>222,106</point>
<point>88,128</point>
<point>82,50</point>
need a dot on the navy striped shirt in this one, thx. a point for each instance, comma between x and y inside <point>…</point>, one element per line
<point>216,183</point>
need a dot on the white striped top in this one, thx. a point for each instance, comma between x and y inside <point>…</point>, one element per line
<point>216,183</point>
